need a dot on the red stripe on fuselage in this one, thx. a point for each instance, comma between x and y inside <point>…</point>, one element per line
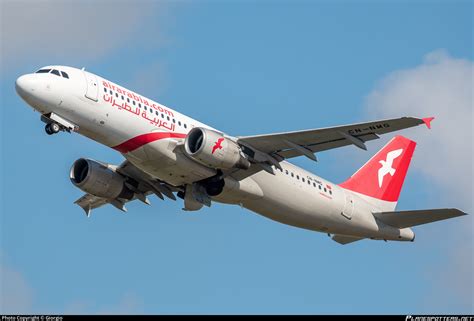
<point>139,141</point>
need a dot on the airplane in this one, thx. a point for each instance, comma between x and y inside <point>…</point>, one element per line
<point>169,154</point>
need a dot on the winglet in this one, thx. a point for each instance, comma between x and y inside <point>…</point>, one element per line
<point>87,208</point>
<point>118,204</point>
<point>427,121</point>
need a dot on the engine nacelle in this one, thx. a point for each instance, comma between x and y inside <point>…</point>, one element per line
<point>212,149</point>
<point>98,179</point>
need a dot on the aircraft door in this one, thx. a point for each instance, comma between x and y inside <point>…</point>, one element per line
<point>348,209</point>
<point>92,89</point>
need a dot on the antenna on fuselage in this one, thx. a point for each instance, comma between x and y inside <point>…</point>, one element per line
<point>83,68</point>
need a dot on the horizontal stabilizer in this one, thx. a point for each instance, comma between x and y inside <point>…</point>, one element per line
<point>344,239</point>
<point>402,219</point>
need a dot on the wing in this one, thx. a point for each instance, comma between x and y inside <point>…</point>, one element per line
<point>88,202</point>
<point>139,182</point>
<point>267,150</point>
<point>317,140</point>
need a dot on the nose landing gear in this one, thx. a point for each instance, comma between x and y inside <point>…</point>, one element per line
<point>56,123</point>
<point>52,128</point>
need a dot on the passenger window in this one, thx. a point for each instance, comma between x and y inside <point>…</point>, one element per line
<point>122,97</point>
<point>325,190</point>
<point>145,108</point>
<point>65,75</point>
<point>319,186</point>
<point>179,123</point>
<point>286,171</point>
<point>168,117</point>
<point>54,71</point>
<point>157,113</point>
<point>302,179</point>
<point>292,175</point>
<point>139,105</point>
<point>174,120</point>
<point>298,177</point>
<point>105,90</point>
<point>116,95</point>
<point>185,126</point>
<point>43,71</point>
<point>128,100</point>
<point>133,102</point>
<point>162,115</point>
<point>111,92</point>
<point>314,184</point>
<point>330,192</point>
<point>309,183</point>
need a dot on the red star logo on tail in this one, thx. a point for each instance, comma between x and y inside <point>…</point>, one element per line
<point>217,145</point>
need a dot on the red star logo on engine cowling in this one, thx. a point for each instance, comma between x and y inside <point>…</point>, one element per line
<point>217,145</point>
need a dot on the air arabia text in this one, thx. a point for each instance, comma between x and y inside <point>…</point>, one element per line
<point>137,98</point>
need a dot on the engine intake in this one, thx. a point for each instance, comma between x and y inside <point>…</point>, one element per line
<point>98,179</point>
<point>212,149</point>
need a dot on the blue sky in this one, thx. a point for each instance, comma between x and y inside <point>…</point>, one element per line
<point>245,67</point>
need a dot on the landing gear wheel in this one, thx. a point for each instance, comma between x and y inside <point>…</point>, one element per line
<point>52,128</point>
<point>55,128</point>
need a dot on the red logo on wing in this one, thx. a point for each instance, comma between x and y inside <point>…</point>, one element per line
<point>217,145</point>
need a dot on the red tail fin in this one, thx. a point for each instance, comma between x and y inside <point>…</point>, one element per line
<point>383,175</point>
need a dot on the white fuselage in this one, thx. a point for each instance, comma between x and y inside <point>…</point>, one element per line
<point>121,119</point>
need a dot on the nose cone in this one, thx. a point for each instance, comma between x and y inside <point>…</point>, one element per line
<point>24,86</point>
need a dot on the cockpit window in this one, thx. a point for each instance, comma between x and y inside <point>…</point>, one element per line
<point>59,73</point>
<point>43,71</point>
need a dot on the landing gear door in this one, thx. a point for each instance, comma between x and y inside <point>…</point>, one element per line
<point>348,209</point>
<point>92,89</point>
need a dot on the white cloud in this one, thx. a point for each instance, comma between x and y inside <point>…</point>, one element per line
<point>16,296</point>
<point>442,86</point>
<point>85,29</point>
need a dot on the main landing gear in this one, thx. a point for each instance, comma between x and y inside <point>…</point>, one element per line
<point>52,128</point>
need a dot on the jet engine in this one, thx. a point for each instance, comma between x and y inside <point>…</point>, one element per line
<point>212,149</point>
<point>98,179</point>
